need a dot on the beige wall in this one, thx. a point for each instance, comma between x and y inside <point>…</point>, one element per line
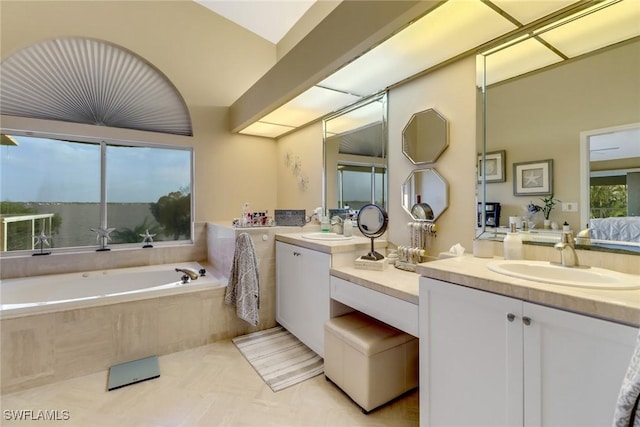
<point>451,91</point>
<point>541,117</point>
<point>306,144</point>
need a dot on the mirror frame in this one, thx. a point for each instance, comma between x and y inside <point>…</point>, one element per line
<point>425,140</point>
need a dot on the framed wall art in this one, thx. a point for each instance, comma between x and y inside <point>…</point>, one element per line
<point>495,166</point>
<point>533,178</point>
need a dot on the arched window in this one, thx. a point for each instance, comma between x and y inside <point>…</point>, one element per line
<point>59,191</point>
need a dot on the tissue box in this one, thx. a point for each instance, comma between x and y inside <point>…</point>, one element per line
<point>445,255</point>
<point>367,264</point>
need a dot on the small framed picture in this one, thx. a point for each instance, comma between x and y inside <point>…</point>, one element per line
<point>495,166</point>
<point>533,178</point>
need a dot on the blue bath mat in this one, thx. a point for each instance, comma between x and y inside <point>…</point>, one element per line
<point>133,372</point>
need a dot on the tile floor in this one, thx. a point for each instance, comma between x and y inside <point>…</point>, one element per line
<point>211,385</point>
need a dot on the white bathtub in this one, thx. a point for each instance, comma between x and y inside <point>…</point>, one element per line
<point>55,292</point>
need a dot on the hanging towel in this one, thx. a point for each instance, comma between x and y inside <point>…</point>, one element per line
<point>627,412</point>
<point>243,289</point>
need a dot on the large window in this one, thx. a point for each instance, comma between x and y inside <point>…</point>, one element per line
<point>63,189</point>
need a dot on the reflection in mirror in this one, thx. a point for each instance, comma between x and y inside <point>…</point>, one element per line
<point>425,137</point>
<point>541,114</point>
<point>425,186</point>
<point>610,183</point>
<point>422,211</point>
<point>355,155</point>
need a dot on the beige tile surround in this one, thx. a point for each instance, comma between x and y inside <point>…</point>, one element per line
<point>40,349</point>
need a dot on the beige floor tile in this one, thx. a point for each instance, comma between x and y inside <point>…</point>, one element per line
<point>206,386</point>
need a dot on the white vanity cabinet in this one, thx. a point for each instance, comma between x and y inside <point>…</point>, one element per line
<point>302,293</point>
<point>491,360</point>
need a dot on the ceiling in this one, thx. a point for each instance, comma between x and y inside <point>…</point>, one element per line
<point>270,19</point>
<point>454,29</point>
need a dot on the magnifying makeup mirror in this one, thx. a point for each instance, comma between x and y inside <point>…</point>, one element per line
<point>372,222</point>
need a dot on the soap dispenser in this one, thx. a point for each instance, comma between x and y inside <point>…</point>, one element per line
<point>512,244</point>
<point>325,224</point>
<point>347,227</point>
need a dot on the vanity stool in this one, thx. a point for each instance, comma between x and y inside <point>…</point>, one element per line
<point>370,361</point>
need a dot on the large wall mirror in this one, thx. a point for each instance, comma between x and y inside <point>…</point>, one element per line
<point>355,155</point>
<point>581,77</point>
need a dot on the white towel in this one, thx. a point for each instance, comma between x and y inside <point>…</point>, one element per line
<point>627,412</point>
<point>243,289</point>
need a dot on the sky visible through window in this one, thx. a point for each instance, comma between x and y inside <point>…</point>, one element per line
<point>45,170</point>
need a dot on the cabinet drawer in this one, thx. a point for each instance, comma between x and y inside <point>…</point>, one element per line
<point>391,310</point>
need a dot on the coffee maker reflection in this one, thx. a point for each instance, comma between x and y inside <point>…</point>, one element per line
<point>492,214</point>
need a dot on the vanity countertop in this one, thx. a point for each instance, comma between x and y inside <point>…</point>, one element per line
<point>616,305</point>
<point>391,281</point>
<point>357,243</point>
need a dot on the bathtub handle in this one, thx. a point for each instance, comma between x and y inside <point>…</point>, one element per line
<point>202,272</point>
<point>186,279</point>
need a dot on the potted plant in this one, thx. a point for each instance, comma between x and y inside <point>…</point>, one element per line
<point>549,203</point>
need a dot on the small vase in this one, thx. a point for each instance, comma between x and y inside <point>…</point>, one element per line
<point>547,224</point>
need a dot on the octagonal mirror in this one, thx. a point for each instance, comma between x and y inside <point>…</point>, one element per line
<point>425,137</point>
<point>425,194</point>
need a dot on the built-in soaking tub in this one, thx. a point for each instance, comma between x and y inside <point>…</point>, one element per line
<point>55,292</point>
<point>60,326</point>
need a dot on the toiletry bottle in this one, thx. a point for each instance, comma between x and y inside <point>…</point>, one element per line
<point>512,244</point>
<point>347,227</point>
<point>325,224</point>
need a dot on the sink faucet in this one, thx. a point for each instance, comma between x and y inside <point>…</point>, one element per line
<point>568,255</point>
<point>193,275</point>
<point>337,222</point>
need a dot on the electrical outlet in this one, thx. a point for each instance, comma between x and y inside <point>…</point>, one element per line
<point>569,207</point>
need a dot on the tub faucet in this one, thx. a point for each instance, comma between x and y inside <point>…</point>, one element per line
<point>193,275</point>
<point>568,255</point>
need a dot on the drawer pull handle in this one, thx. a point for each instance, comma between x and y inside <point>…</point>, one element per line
<point>511,317</point>
<point>526,320</point>
<point>296,254</point>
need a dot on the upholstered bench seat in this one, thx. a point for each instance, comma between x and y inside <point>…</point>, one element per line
<point>369,360</point>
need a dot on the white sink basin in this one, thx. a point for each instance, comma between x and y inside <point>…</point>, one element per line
<point>325,236</point>
<point>544,271</point>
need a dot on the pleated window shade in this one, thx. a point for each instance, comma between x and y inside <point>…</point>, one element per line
<point>90,81</point>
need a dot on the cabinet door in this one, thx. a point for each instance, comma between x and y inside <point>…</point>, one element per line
<point>574,366</point>
<point>288,292</point>
<point>302,293</point>
<point>470,357</point>
<point>316,282</point>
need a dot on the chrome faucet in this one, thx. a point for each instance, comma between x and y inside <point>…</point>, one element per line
<point>337,222</point>
<point>193,275</point>
<point>568,255</point>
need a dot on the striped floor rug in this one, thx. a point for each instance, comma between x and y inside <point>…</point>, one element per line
<point>279,357</point>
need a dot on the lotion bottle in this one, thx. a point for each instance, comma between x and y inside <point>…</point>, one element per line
<point>325,224</point>
<point>512,244</point>
<point>347,227</point>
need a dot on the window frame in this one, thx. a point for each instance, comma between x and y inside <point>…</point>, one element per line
<point>103,143</point>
